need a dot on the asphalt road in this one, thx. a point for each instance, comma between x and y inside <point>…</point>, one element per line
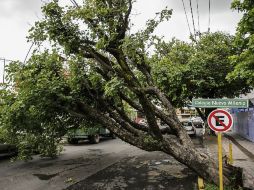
<point>74,164</point>
<point>111,164</point>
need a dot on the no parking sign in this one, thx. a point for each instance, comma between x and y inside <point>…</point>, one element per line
<point>220,120</point>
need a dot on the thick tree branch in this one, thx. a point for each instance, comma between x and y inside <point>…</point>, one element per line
<point>166,103</point>
<point>148,110</point>
<point>132,123</point>
<point>123,28</point>
<point>132,103</point>
<point>174,122</point>
<point>114,127</point>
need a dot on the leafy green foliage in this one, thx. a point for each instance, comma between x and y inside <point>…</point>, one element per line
<point>243,60</point>
<point>197,69</point>
<point>32,118</point>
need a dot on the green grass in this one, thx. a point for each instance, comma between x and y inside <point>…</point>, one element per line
<point>214,187</point>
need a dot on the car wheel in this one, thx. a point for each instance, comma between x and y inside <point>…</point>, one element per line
<point>94,139</point>
<point>113,136</point>
<point>72,141</point>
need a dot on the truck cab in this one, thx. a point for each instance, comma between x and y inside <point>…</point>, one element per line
<point>88,133</point>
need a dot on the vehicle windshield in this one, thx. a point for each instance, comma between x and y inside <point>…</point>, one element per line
<point>186,124</point>
<point>198,125</point>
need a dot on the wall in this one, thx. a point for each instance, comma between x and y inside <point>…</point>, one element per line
<point>244,122</point>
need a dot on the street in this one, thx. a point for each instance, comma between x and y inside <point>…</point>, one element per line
<point>111,164</point>
<point>75,163</point>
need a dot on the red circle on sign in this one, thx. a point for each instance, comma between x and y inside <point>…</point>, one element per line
<point>212,116</point>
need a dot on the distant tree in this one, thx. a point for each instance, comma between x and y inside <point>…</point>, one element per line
<point>197,69</point>
<point>94,69</point>
<point>243,60</point>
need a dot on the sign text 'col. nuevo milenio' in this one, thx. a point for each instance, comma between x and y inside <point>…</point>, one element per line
<point>220,103</point>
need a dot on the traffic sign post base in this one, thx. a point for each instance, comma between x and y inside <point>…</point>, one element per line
<point>220,160</point>
<point>230,154</point>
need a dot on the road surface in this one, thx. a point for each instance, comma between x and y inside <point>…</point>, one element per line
<point>111,164</point>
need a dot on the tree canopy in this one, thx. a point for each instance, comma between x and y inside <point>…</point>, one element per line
<point>243,60</point>
<point>198,69</point>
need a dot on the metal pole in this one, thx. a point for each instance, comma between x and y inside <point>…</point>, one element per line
<point>201,185</point>
<point>230,153</point>
<point>4,72</point>
<point>220,160</point>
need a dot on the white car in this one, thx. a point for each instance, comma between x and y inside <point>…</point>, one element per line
<point>188,126</point>
<point>199,128</point>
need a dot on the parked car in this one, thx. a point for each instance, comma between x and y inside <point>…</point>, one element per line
<point>8,150</point>
<point>92,134</point>
<point>193,128</point>
<point>188,126</point>
<point>199,128</point>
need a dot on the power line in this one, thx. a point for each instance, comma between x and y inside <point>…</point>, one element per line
<point>74,3</point>
<point>186,17</point>
<point>209,19</point>
<point>28,52</point>
<point>193,22</point>
<point>198,15</point>
<point>4,70</point>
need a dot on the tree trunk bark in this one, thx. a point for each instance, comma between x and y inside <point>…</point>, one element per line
<point>180,147</point>
<point>202,163</point>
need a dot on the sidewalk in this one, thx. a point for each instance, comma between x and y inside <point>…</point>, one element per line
<point>144,171</point>
<point>243,154</point>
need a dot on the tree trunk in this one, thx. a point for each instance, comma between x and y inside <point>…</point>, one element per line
<point>180,147</point>
<point>201,114</point>
<point>202,163</point>
<point>204,117</point>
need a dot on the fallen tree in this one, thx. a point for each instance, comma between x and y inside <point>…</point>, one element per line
<point>95,71</point>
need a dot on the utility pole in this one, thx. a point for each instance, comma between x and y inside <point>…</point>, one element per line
<point>3,60</point>
<point>4,65</point>
<point>4,72</point>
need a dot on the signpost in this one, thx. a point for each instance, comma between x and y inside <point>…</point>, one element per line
<point>220,121</point>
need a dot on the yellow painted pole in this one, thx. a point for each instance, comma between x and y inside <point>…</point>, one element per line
<point>201,185</point>
<point>230,154</point>
<point>220,160</point>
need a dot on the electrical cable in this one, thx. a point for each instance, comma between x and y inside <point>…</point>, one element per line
<point>74,3</point>
<point>28,52</point>
<point>186,18</point>
<point>198,16</point>
<point>209,19</point>
<point>193,22</point>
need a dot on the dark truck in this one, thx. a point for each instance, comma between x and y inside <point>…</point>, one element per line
<point>93,134</point>
<point>8,150</point>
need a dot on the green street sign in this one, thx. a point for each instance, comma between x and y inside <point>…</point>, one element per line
<point>220,103</point>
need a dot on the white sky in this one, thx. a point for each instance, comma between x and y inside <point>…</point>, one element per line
<point>17,16</point>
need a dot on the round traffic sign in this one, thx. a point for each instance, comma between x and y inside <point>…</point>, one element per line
<point>220,120</point>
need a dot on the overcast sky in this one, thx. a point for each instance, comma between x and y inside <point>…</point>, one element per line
<point>17,16</point>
